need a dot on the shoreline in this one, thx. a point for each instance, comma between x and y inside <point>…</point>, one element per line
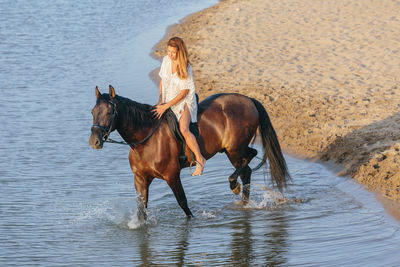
<point>332,92</point>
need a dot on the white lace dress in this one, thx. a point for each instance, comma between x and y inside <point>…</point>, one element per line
<point>172,86</point>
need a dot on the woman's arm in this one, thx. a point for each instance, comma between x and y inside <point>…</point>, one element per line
<point>161,108</point>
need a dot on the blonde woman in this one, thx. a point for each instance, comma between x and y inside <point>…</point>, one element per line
<point>177,91</point>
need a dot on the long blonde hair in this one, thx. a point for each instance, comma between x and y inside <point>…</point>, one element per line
<point>182,57</point>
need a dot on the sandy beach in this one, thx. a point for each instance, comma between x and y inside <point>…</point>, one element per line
<point>328,73</point>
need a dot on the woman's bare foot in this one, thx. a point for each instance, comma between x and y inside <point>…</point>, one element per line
<point>199,167</point>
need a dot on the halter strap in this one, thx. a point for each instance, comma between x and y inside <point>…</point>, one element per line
<point>134,144</point>
<point>104,128</point>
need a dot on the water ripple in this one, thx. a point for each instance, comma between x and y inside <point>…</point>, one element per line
<point>62,203</point>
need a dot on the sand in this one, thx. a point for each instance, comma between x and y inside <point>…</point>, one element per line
<point>328,73</point>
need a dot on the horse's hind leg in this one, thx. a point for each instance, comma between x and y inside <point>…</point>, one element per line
<point>176,187</point>
<point>245,176</point>
<point>240,161</point>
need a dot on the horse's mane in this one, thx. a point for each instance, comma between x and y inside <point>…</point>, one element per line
<point>136,114</point>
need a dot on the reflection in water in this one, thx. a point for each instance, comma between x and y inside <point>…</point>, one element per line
<point>256,237</point>
<point>264,233</point>
<point>56,198</point>
<point>276,239</point>
<point>178,255</point>
<point>153,250</point>
<point>242,240</point>
<point>271,237</point>
<point>145,253</point>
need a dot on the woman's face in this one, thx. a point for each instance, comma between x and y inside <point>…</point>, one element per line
<point>172,52</point>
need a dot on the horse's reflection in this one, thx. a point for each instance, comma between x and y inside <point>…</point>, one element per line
<point>275,240</point>
<point>264,245</point>
<point>179,253</point>
<point>145,252</point>
<point>242,241</point>
<point>175,252</point>
<point>253,242</point>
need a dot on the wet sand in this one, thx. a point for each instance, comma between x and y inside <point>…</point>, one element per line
<point>328,73</point>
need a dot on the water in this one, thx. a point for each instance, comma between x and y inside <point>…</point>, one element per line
<point>65,204</point>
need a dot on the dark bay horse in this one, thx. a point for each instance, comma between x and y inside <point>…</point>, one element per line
<point>227,123</point>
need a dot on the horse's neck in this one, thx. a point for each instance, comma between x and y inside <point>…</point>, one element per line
<point>132,129</point>
<point>126,135</point>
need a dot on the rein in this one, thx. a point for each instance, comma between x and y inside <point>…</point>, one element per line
<point>133,144</point>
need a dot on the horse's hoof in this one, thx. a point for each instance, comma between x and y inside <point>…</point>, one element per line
<point>237,189</point>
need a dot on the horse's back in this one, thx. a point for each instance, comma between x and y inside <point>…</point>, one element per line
<point>225,119</point>
<point>225,100</point>
<point>231,105</point>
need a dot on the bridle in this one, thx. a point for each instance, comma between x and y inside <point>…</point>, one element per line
<point>107,130</point>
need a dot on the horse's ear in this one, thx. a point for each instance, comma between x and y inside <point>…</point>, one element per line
<point>98,94</point>
<point>112,92</point>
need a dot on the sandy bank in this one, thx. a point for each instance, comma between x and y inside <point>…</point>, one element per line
<point>328,73</point>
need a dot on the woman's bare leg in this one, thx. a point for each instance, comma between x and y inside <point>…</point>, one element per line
<point>191,140</point>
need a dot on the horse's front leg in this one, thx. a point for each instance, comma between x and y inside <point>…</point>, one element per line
<point>175,184</point>
<point>142,185</point>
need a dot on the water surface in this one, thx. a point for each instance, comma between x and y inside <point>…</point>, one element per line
<point>62,203</point>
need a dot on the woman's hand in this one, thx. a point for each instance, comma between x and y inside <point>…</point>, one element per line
<point>159,110</point>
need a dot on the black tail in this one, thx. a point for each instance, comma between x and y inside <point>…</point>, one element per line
<point>272,149</point>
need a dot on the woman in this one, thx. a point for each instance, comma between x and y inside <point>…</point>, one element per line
<point>177,92</point>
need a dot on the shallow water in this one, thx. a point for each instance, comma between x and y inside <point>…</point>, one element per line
<point>62,203</point>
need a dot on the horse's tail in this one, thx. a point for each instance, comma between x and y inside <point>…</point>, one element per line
<point>272,149</point>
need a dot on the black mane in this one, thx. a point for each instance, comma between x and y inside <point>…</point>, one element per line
<point>135,114</point>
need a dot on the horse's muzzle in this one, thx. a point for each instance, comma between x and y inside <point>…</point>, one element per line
<point>96,140</point>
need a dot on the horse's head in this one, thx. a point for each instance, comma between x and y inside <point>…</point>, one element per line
<point>104,118</point>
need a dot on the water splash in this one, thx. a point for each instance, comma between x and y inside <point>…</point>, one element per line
<point>134,222</point>
<point>89,212</point>
<point>115,213</point>
<point>265,199</point>
<point>208,214</point>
